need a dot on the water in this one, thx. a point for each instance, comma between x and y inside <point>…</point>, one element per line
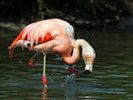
<point>111,78</point>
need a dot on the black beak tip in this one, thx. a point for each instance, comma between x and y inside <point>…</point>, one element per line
<point>85,73</point>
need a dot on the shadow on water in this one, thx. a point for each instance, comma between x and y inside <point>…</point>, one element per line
<point>111,78</point>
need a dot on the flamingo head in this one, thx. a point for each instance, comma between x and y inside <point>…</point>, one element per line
<point>19,43</point>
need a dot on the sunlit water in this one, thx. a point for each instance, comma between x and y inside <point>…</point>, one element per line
<point>111,78</point>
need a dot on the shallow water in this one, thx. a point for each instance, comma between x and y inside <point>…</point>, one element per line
<point>111,78</point>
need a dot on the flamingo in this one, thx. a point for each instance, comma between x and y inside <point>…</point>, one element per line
<point>54,36</point>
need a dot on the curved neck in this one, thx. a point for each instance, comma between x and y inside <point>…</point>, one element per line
<point>88,54</point>
<point>73,56</point>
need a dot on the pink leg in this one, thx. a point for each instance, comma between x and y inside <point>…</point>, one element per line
<point>44,80</point>
<point>31,60</point>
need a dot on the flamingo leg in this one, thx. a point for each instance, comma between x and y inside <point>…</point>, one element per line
<point>31,60</point>
<point>44,78</point>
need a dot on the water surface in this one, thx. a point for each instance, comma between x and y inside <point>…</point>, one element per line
<point>111,78</point>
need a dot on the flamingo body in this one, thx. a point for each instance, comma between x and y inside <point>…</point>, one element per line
<point>56,36</point>
<point>44,31</point>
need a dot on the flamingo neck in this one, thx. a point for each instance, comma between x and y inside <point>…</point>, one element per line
<point>88,54</point>
<point>73,55</point>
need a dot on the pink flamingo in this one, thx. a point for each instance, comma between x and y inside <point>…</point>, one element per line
<point>54,36</point>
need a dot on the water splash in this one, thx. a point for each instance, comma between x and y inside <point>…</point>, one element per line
<point>69,80</point>
<point>69,87</point>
